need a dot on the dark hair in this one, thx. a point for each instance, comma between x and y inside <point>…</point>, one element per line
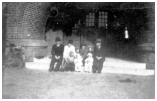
<point>83,44</point>
<point>58,39</point>
<point>70,41</point>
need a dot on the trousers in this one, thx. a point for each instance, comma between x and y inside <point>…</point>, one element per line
<point>53,61</point>
<point>98,65</point>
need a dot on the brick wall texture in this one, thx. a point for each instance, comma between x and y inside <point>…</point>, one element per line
<point>151,25</point>
<point>25,19</point>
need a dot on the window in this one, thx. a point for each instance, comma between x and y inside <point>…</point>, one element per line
<point>102,22</point>
<point>90,19</point>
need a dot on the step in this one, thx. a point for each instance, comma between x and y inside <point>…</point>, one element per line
<point>119,63</point>
<point>129,65</point>
<point>38,66</point>
<point>109,59</point>
<point>108,63</point>
<point>43,60</point>
<point>45,66</point>
<point>128,71</point>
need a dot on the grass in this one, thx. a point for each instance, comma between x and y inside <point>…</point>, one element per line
<point>36,84</point>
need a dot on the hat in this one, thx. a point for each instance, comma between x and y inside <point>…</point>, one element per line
<point>58,39</point>
<point>98,40</point>
<point>70,41</point>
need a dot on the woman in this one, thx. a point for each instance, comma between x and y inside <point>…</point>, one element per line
<point>68,55</point>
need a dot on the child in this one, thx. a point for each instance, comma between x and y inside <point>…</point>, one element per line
<point>89,63</point>
<point>90,49</point>
<point>78,61</point>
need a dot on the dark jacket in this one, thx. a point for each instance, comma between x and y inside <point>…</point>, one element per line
<point>57,50</point>
<point>99,52</point>
<point>84,52</point>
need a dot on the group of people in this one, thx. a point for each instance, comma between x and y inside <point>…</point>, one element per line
<point>70,58</point>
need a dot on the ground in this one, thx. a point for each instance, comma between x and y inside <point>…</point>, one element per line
<point>37,84</point>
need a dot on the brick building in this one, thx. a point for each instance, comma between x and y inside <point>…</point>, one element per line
<point>25,24</point>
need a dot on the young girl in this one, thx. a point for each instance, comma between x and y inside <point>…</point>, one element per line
<point>78,61</point>
<point>89,60</point>
<point>89,63</point>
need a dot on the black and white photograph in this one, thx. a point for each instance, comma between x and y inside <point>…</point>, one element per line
<point>78,50</point>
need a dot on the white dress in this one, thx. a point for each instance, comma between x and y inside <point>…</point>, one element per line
<point>78,62</point>
<point>89,64</point>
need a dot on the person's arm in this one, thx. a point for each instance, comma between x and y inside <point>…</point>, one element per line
<point>104,53</point>
<point>64,52</point>
<point>52,51</point>
<point>94,52</point>
<point>86,52</point>
<point>74,51</point>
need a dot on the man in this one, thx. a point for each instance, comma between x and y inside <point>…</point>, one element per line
<point>57,55</point>
<point>99,57</point>
<point>69,55</point>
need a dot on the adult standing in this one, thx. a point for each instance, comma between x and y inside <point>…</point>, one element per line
<point>99,57</point>
<point>57,55</point>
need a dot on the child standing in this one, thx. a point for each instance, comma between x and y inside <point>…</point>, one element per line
<point>78,61</point>
<point>89,63</point>
<point>89,60</point>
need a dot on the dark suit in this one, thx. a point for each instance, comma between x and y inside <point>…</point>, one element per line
<point>58,51</point>
<point>98,64</point>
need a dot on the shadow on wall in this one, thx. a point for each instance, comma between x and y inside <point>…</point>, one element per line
<point>51,36</point>
<point>116,47</point>
<point>126,49</point>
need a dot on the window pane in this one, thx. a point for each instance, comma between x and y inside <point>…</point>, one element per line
<point>92,16</point>
<point>106,14</point>
<point>86,20</point>
<point>86,24</point>
<point>99,20</point>
<point>99,24</point>
<point>105,20</point>
<point>90,24</point>
<point>99,13</point>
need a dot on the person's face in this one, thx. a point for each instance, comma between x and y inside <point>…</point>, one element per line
<point>58,42</point>
<point>83,47</point>
<point>90,49</point>
<point>98,44</point>
<point>69,44</point>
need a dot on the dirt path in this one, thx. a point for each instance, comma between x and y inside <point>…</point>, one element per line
<point>42,84</point>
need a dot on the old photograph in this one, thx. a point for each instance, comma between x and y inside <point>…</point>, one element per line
<point>78,50</point>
